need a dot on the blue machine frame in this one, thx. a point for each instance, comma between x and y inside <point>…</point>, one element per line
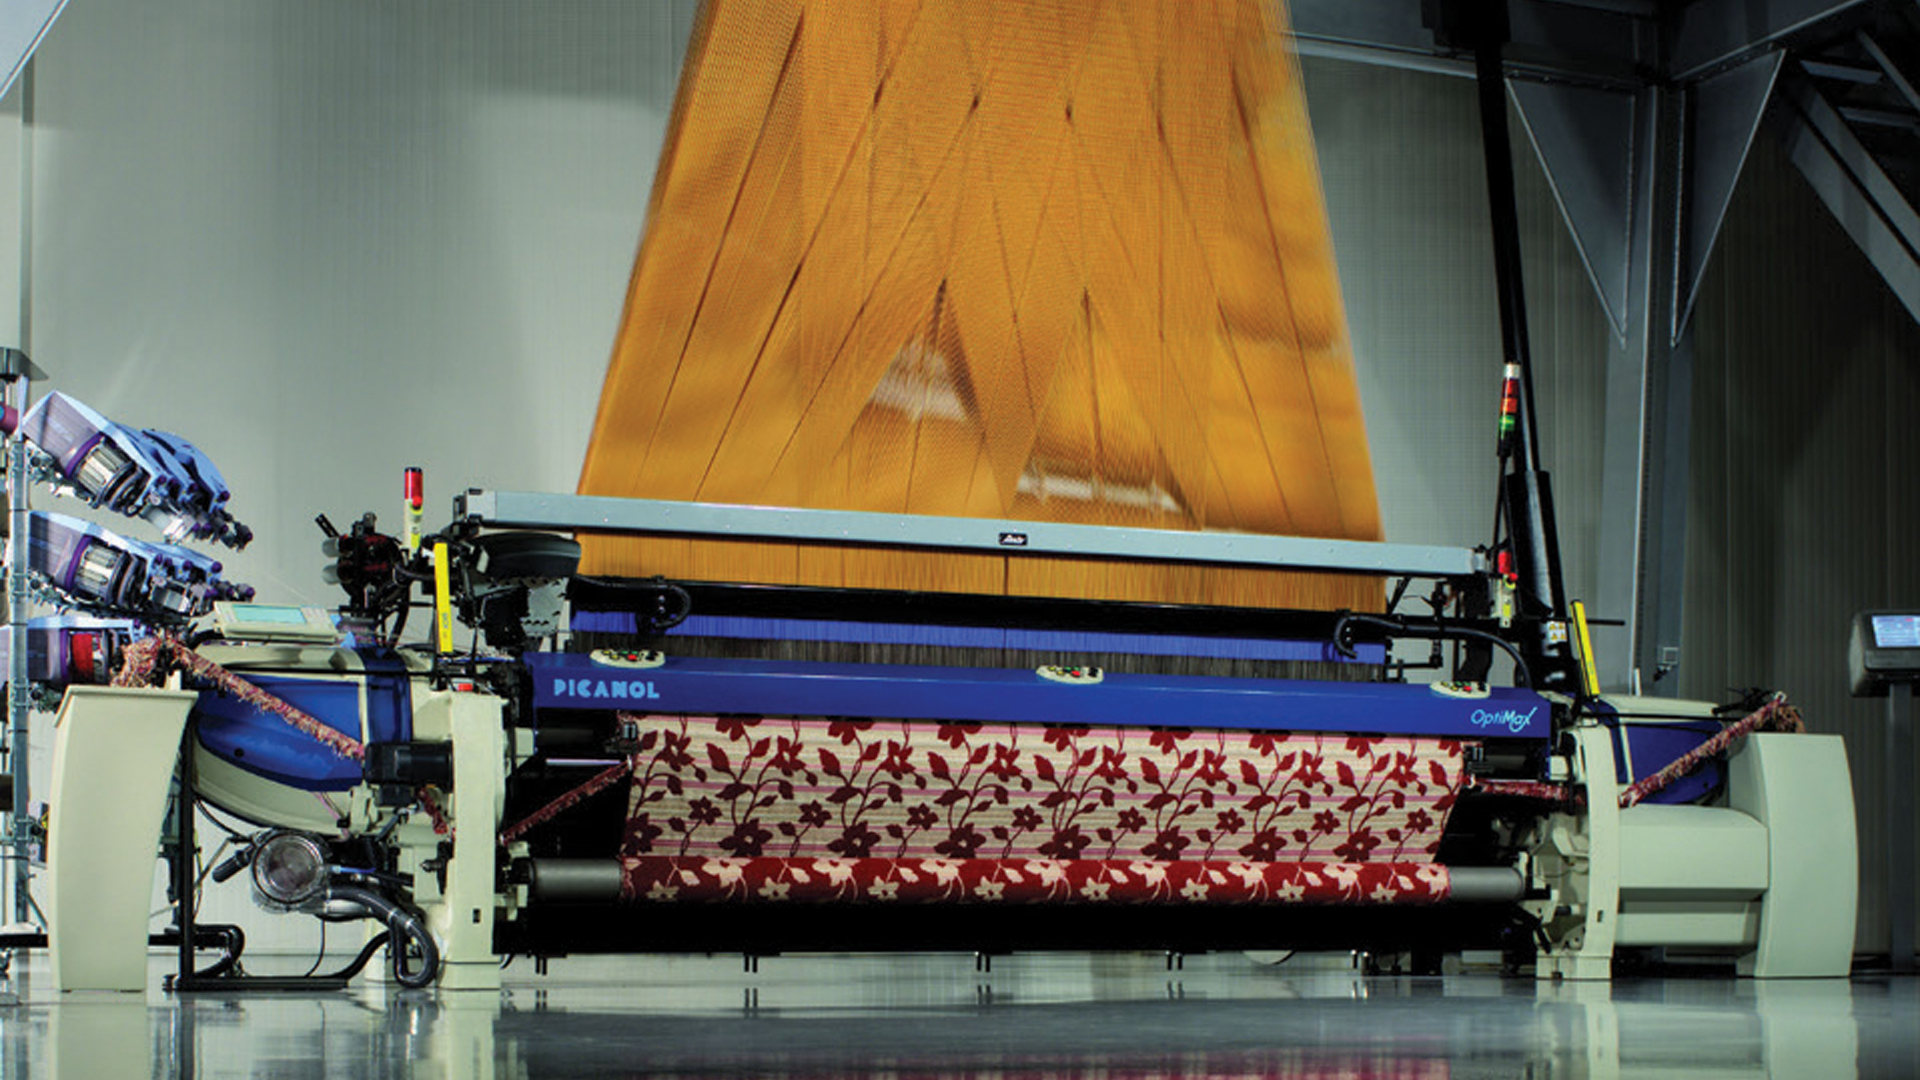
<point>798,688</point>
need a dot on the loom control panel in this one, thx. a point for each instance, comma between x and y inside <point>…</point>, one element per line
<point>1884,650</point>
<point>274,623</point>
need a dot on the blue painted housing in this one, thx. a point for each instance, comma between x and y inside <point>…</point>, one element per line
<point>799,688</point>
<point>1641,749</point>
<point>265,745</point>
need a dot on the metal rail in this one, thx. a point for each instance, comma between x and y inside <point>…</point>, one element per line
<point>595,513</point>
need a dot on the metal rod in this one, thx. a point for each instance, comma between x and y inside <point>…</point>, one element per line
<point>183,883</point>
<point>21,373</point>
<point>19,691</point>
<point>1900,802</point>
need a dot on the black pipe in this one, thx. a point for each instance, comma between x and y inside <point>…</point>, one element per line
<point>183,878</point>
<point>1398,627</point>
<point>1488,27</point>
<point>1525,494</point>
<point>406,927</point>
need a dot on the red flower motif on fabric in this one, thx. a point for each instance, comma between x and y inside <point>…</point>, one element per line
<point>1358,847</point>
<point>856,841</point>
<point>746,840</point>
<point>1067,843</point>
<point>961,843</point>
<point>1168,740</point>
<point>703,811</point>
<point>956,735</point>
<point>1264,846</point>
<point>1061,736</point>
<point>642,833</point>
<point>1167,845</point>
<point>848,731</point>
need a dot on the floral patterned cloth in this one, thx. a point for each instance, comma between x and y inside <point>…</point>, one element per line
<point>723,807</point>
<point>1029,881</point>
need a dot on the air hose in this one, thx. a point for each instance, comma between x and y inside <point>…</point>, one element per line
<point>407,929</point>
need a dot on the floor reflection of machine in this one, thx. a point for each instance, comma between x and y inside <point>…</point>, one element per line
<point>1052,1016</point>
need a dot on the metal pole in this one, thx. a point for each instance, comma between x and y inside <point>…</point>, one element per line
<point>20,372</point>
<point>183,881</point>
<point>1900,856</point>
<point>19,702</point>
<point>1497,146</point>
<point>1525,493</point>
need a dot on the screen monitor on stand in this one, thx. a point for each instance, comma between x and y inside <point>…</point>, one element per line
<point>1883,659</point>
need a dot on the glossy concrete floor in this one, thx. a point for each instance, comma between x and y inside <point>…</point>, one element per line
<point>1068,1015</point>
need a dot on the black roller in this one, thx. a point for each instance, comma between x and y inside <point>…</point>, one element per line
<point>1485,884</point>
<point>574,881</point>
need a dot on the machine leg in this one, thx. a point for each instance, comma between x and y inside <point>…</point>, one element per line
<point>1579,863</point>
<point>464,921</point>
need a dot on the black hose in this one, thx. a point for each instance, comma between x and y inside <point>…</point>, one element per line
<point>406,927</point>
<point>360,959</point>
<point>672,602</point>
<point>1401,628</point>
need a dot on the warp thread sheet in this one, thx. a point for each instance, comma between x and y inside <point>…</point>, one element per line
<point>1043,260</point>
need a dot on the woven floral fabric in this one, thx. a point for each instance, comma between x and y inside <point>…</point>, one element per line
<point>1028,881</point>
<point>733,788</point>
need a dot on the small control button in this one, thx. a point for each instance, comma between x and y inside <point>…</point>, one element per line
<point>639,659</point>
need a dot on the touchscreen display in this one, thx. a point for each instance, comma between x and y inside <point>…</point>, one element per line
<point>1896,631</point>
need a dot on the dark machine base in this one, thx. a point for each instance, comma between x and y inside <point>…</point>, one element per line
<point>250,984</point>
<point>562,929</point>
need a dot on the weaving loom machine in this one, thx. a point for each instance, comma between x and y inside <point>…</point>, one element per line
<point>980,552</point>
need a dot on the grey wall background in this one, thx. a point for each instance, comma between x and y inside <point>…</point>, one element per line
<point>1805,497</point>
<point>328,239</point>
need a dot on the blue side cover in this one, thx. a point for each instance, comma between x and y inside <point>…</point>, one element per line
<point>796,688</point>
<point>1641,749</point>
<point>267,746</point>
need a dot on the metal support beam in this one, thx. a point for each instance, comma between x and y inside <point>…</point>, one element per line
<point>1860,195</point>
<point>1723,116</point>
<point>1643,180</point>
<point>1584,138</point>
<point>1641,541</point>
<point>1589,41</point>
<point>1895,76</point>
<point>23,23</point>
<point>1712,34</point>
